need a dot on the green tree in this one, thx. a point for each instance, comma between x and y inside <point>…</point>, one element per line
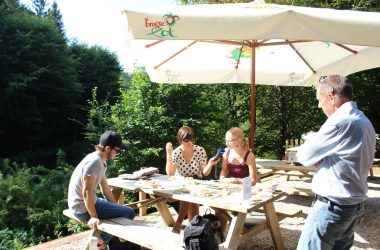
<point>282,113</point>
<point>40,7</point>
<point>149,114</point>
<point>46,84</point>
<point>96,67</point>
<point>55,14</point>
<point>38,88</point>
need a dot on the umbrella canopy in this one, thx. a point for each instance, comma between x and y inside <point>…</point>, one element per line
<point>278,61</point>
<point>252,43</point>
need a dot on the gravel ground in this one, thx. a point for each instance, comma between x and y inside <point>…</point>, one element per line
<point>366,236</point>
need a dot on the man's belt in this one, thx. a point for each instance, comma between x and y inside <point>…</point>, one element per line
<point>326,200</point>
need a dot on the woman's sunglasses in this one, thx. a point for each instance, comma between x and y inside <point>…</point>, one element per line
<point>187,138</point>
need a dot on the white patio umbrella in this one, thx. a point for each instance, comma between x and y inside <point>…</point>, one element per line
<point>252,43</point>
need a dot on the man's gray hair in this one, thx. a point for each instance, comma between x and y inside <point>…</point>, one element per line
<point>336,84</point>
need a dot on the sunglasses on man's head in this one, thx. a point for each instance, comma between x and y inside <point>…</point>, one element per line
<point>322,80</point>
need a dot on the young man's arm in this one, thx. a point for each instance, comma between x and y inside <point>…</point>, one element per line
<point>106,190</point>
<point>89,198</point>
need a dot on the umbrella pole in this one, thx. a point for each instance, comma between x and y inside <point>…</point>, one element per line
<point>253,111</point>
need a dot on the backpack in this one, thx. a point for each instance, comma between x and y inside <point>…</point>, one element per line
<point>203,233</point>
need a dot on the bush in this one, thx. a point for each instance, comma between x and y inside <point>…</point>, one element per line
<point>34,198</point>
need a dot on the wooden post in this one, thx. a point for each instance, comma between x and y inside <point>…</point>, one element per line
<point>142,210</point>
<point>274,226</point>
<point>118,194</point>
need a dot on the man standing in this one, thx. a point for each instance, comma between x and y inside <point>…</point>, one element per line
<point>342,152</point>
<point>87,176</point>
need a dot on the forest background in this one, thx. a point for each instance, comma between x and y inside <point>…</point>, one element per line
<point>58,95</point>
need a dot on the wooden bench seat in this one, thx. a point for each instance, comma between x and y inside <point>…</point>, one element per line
<point>138,232</point>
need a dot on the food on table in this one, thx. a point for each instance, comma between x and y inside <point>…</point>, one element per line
<point>202,192</point>
<point>231,186</point>
<point>148,184</point>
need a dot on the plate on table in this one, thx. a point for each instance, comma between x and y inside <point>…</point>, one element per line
<point>172,185</point>
<point>209,184</point>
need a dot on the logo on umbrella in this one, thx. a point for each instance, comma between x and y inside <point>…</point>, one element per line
<point>162,28</point>
<point>240,52</point>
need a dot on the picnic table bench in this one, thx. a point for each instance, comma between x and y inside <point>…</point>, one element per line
<point>136,231</point>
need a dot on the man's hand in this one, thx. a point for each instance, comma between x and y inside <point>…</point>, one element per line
<point>93,222</point>
<point>316,165</point>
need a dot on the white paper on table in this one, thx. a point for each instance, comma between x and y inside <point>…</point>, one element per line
<point>247,188</point>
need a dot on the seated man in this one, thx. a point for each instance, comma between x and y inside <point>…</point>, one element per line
<point>87,176</point>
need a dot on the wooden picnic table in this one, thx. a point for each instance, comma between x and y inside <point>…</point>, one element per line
<point>290,169</point>
<point>283,168</point>
<point>229,201</point>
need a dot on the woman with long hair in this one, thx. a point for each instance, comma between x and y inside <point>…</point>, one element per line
<point>238,162</point>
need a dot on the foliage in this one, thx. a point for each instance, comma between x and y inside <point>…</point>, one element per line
<point>54,94</point>
<point>40,7</point>
<point>97,67</point>
<point>33,200</point>
<point>148,115</point>
<point>368,5</point>
<point>282,113</point>
<point>38,88</point>
<point>367,93</point>
<point>45,84</point>
<point>55,14</point>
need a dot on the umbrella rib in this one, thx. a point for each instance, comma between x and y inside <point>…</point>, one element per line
<point>226,42</point>
<point>346,48</point>
<point>175,54</point>
<point>238,61</point>
<point>154,43</point>
<point>264,43</point>
<point>303,59</point>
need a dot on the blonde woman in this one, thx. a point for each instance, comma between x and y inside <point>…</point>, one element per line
<point>238,162</point>
<point>187,160</point>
